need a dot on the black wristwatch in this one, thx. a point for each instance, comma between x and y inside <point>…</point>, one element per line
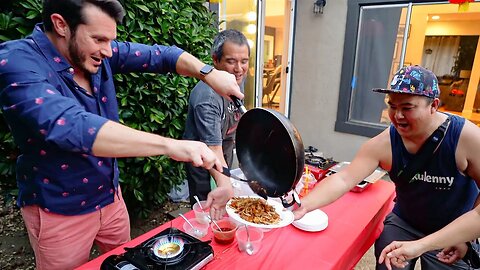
<point>206,69</point>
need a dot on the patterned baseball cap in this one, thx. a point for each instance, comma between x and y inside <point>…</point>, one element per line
<point>414,80</point>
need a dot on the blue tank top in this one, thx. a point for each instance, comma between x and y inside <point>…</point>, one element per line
<point>439,193</point>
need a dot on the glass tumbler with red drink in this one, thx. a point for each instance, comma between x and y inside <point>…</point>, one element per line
<point>226,233</point>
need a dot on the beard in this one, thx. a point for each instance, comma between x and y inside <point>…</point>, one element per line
<point>78,58</point>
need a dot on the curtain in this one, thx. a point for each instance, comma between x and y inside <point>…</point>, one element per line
<point>376,43</point>
<point>439,53</point>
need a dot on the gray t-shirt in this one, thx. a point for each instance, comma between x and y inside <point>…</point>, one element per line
<point>211,119</point>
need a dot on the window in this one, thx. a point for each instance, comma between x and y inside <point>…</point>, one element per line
<point>373,47</point>
<point>383,36</point>
<point>267,24</point>
<point>242,16</point>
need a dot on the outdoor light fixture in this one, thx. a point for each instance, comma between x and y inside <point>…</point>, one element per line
<point>318,6</point>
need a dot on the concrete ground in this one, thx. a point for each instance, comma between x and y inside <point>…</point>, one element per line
<point>368,262</point>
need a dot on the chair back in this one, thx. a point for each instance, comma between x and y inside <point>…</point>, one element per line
<point>273,81</point>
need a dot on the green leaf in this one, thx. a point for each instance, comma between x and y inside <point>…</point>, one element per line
<point>143,7</point>
<point>32,14</point>
<point>147,167</point>
<point>3,38</point>
<point>27,5</point>
<point>24,31</point>
<point>5,21</point>
<point>131,15</point>
<point>138,195</point>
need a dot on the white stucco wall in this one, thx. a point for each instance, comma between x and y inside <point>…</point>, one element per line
<point>317,63</point>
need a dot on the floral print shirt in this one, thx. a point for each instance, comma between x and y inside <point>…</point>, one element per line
<point>54,121</point>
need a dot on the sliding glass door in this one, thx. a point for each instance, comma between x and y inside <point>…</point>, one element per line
<point>268,26</point>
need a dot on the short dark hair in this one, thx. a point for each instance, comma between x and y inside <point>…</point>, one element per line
<point>231,35</point>
<point>72,11</point>
<point>429,100</point>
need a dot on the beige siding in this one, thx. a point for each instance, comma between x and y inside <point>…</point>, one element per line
<point>317,66</point>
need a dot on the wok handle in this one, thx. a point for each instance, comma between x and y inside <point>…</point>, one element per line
<point>254,185</point>
<point>238,103</point>
<point>225,171</point>
<point>296,200</point>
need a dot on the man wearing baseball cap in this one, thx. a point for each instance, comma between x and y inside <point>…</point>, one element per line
<point>438,192</point>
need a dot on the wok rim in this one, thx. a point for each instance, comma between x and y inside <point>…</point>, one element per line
<point>295,143</point>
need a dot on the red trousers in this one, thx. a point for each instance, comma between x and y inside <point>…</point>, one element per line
<point>64,242</point>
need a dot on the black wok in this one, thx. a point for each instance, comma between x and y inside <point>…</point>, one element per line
<point>270,152</point>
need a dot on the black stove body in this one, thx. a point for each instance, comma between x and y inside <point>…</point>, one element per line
<point>317,164</point>
<point>194,255</point>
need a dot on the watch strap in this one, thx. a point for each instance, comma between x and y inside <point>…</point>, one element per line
<point>206,69</point>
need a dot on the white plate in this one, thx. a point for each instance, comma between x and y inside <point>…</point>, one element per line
<point>286,216</point>
<point>313,221</point>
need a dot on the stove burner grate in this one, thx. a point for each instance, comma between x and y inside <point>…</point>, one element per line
<point>168,259</point>
<point>320,162</point>
<point>317,160</point>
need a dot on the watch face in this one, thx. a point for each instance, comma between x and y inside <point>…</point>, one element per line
<point>206,69</point>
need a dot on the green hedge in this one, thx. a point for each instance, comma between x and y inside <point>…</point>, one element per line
<point>149,102</point>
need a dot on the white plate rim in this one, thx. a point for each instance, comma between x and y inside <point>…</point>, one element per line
<point>286,216</point>
<point>316,227</point>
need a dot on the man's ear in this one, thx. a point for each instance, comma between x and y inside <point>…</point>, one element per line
<point>435,105</point>
<point>60,26</point>
<point>216,61</point>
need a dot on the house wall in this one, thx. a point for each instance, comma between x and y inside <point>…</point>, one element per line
<point>317,62</point>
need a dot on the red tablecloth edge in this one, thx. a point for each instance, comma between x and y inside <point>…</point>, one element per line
<point>348,261</point>
<point>373,229</point>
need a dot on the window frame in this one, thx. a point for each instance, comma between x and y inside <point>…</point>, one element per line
<point>342,123</point>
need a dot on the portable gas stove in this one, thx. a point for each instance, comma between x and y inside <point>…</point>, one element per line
<point>318,165</point>
<point>170,249</point>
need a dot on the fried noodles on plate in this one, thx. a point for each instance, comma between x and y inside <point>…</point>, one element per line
<point>255,210</point>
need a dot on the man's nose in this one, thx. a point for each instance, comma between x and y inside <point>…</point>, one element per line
<point>238,66</point>
<point>106,50</point>
<point>398,114</point>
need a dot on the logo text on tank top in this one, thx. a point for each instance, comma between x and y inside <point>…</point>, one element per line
<point>446,180</point>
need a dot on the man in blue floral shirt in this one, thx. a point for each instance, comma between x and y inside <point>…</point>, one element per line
<point>58,98</point>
